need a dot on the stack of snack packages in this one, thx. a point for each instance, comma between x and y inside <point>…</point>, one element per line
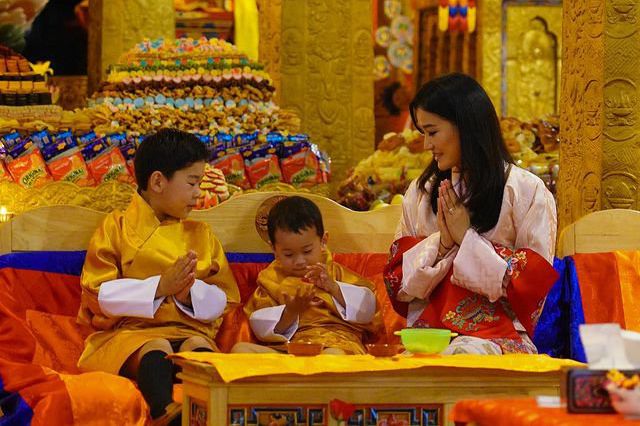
<point>207,87</point>
<point>255,160</point>
<point>86,160</point>
<point>248,160</point>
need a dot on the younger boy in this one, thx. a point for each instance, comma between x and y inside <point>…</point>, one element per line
<point>154,282</point>
<point>304,296</point>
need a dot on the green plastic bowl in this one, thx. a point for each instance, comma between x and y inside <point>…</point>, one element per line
<point>425,340</point>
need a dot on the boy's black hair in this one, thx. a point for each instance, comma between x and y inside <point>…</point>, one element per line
<point>167,151</point>
<point>294,214</point>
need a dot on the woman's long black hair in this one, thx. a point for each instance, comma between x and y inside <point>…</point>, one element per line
<point>460,100</point>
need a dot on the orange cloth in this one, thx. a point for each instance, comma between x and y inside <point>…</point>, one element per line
<point>599,287</point>
<point>629,276</point>
<point>610,287</point>
<point>525,412</point>
<point>40,344</point>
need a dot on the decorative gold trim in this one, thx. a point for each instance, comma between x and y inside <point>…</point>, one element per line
<point>106,197</point>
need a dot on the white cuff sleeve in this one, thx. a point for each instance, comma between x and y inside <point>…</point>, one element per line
<point>360,301</point>
<point>207,302</point>
<point>478,267</point>
<point>421,270</point>
<point>263,323</point>
<point>128,297</point>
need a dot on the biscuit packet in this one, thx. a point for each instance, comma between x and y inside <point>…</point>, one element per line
<point>231,162</point>
<point>26,165</point>
<point>262,166</point>
<point>41,138</point>
<point>127,147</point>
<point>65,162</point>
<point>106,163</point>
<point>71,167</point>
<point>5,176</point>
<point>87,138</point>
<point>299,164</point>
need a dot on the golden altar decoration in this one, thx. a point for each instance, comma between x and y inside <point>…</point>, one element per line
<point>107,196</point>
<point>514,30</point>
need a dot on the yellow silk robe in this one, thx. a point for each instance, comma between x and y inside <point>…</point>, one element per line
<point>318,324</point>
<point>135,244</point>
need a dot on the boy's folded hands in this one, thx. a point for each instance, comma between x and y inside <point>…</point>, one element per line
<point>178,278</point>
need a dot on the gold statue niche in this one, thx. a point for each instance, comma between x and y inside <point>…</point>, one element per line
<point>533,65</point>
<point>538,74</point>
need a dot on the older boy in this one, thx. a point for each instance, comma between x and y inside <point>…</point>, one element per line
<point>153,281</point>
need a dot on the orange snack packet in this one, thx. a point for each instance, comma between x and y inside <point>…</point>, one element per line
<point>300,169</point>
<point>264,171</point>
<point>4,173</point>
<point>109,165</point>
<point>233,168</point>
<point>29,170</point>
<point>71,167</point>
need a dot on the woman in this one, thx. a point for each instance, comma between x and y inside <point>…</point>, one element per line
<point>474,247</point>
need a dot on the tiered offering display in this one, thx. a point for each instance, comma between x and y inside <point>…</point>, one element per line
<point>208,88</point>
<point>203,86</point>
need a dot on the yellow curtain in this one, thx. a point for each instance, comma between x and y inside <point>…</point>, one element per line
<point>246,27</point>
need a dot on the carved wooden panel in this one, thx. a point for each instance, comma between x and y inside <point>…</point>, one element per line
<point>441,52</point>
<point>490,29</point>
<point>600,127</point>
<point>326,63</point>
<point>115,26</point>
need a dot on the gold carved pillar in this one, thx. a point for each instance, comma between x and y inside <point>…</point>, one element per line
<point>600,121</point>
<point>270,12</point>
<point>326,74</point>
<point>490,56</point>
<point>115,26</point>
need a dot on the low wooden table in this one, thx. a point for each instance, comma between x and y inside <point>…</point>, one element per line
<point>422,395</point>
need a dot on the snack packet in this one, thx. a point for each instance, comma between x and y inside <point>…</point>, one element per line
<point>262,166</point>
<point>231,162</point>
<point>299,164</point>
<point>5,176</point>
<point>29,169</point>
<point>71,167</point>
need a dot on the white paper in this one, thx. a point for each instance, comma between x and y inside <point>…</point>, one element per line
<point>604,347</point>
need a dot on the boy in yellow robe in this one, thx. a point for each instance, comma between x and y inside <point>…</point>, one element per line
<point>304,295</point>
<point>154,282</point>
